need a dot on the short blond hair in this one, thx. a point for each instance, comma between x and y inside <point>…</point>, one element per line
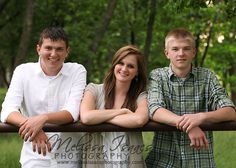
<point>179,33</point>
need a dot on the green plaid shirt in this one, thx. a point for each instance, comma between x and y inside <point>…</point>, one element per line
<point>200,91</point>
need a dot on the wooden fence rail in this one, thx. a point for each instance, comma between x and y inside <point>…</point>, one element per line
<point>150,126</point>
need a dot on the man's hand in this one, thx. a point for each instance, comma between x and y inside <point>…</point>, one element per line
<point>198,138</point>
<point>41,143</point>
<point>189,121</point>
<point>30,127</point>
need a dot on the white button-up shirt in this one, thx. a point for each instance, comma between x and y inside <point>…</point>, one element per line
<point>32,93</point>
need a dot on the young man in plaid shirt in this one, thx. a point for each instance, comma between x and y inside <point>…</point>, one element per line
<point>185,96</point>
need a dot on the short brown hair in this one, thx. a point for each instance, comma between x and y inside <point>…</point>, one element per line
<point>179,33</point>
<point>54,34</point>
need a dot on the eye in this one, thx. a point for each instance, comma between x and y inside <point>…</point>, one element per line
<point>174,49</point>
<point>130,66</point>
<point>187,48</point>
<point>120,63</point>
<point>60,49</point>
<point>48,48</point>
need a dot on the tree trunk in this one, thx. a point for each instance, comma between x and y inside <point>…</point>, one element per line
<point>100,32</point>
<point>208,41</point>
<point>105,23</point>
<point>232,72</point>
<point>3,76</point>
<point>197,50</point>
<point>150,25</point>
<point>26,34</point>
<point>3,3</point>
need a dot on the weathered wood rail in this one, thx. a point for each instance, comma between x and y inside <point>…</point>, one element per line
<point>150,126</point>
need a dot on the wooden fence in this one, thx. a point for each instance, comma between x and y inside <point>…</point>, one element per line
<point>150,126</point>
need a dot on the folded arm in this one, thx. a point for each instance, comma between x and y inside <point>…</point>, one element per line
<point>30,126</point>
<point>133,119</point>
<point>189,121</point>
<point>165,116</point>
<point>90,116</point>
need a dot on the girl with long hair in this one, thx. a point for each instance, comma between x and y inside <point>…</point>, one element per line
<point>120,100</point>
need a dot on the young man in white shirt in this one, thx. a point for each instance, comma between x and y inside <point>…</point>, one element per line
<point>49,91</point>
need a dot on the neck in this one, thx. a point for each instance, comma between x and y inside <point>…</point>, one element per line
<point>182,73</point>
<point>50,71</point>
<point>122,88</point>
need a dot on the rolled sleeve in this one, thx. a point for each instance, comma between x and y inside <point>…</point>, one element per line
<point>72,104</point>
<point>14,95</point>
<point>218,97</point>
<point>155,95</point>
<point>6,112</point>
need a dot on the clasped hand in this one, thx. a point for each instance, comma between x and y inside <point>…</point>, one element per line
<point>30,127</point>
<point>41,143</point>
<point>189,121</point>
<point>198,138</point>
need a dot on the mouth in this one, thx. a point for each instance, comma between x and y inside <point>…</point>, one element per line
<point>53,60</point>
<point>123,74</point>
<point>181,60</point>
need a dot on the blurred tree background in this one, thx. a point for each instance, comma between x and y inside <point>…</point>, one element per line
<point>98,28</point>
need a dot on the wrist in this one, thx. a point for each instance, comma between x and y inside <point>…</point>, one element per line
<point>203,117</point>
<point>23,122</point>
<point>176,120</point>
<point>45,118</point>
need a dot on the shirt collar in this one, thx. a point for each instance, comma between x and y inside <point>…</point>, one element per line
<point>63,71</point>
<point>191,73</point>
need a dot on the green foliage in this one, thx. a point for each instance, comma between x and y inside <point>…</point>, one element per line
<point>2,96</point>
<point>128,25</point>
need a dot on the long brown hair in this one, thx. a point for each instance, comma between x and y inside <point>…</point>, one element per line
<point>138,84</point>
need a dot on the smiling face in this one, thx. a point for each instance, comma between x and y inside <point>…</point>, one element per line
<point>52,55</point>
<point>126,69</point>
<point>180,52</point>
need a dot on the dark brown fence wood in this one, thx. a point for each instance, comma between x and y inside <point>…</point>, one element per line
<point>150,126</point>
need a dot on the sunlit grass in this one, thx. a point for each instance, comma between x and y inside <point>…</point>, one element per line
<point>10,147</point>
<point>224,148</point>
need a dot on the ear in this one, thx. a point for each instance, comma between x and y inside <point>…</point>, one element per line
<point>38,49</point>
<point>68,51</point>
<point>166,53</point>
<point>194,51</point>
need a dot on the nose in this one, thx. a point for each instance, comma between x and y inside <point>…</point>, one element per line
<point>124,68</point>
<point>181,52</point>
<point>53,52</point>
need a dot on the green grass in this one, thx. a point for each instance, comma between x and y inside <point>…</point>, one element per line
<point>10,146</point>
<point>224,146</point>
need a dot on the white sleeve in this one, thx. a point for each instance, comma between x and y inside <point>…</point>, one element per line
<point>76,93</point>
<point>14,95</point>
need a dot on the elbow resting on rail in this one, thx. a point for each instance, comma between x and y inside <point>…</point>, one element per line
<point>140,121</point>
